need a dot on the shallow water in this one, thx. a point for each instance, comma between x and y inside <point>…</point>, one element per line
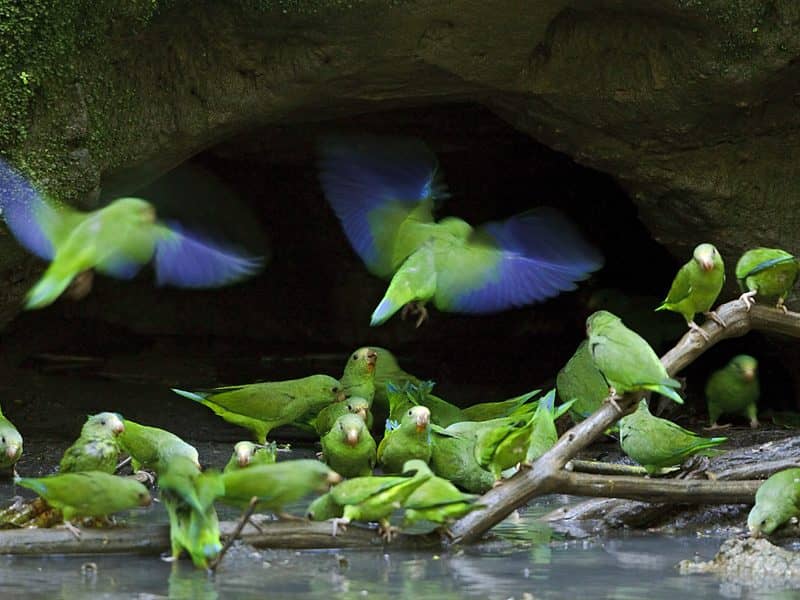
<point>523,560</point>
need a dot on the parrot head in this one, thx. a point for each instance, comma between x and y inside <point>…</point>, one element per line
<point>421,416</point>
<point>706,256</point>
<point>106,421</point>
<point>350,427</point>
<point>358,406</point>
<point>244,452</point>
<point>746,366</point>
<point>602,318</point>
<point>144,498</point>
<point>13,448</point>
<point>759,523</point>
<point>141,210</point>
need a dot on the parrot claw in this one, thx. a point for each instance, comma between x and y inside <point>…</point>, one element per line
<point>144,477</point>
<point>714,426</point>
<point>712,314</point>
<point>415,308</point>
<point>698,330</point>
<point>73,530</point>
<point>339,524</point>
<point>612,399</point>
<point>171,558</point>
<point>747,298</point>
<point>780,304</point>
<point>80,286</point>
<point>387,531</point>
<point>754,424</point>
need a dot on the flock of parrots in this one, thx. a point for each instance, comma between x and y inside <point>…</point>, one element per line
<point>435,457</point>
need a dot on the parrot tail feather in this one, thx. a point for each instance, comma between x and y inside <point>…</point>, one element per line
<point>46,291</point>
<point>665,390</point>
<point>383,311</point>
<point>197,397</point>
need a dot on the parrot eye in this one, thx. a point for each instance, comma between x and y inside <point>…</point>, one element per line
<point>355,356</point>
<point>409,413</point>
<point>103,422</point>
<point>3,439</point>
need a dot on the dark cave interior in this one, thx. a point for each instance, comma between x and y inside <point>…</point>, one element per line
<point>310,306</point>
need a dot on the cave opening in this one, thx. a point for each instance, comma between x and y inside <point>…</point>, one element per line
<point>311,304</point>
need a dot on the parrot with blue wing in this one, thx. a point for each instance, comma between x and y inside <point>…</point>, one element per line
<point>384,192</point>
<point>115,240</point>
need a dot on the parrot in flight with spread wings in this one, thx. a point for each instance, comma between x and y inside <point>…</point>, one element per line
<point>384,192</point>
<point>115,240</point>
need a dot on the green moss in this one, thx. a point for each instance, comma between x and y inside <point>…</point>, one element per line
<point>39,41</point>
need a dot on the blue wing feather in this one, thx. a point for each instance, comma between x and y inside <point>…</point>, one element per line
<point>23,208</point>
<point>362,173</point>
<point>539,255</point>
<point>188,260</point>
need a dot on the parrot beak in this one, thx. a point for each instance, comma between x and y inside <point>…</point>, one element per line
<point>243,458</point>
<point>118,428</point>
<point>372,358</point>
<point>749,374</point>
<point>12,450</point>
<point>149,215</point>
<point>334,478</point>
<point>352,437</point>
<point>362,412</point>
<point>706,264</point>
<point>423,419</point>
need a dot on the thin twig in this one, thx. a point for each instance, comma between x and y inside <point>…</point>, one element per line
<point>251,506</point>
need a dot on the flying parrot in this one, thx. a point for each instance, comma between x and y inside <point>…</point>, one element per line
<point>657,443</point>
<point>766,272</point>
<point>696,287</point>
<point>734,390</point>
<point>625,359</point>
<point>406,440</point>
<point>116,240</point>
<point>87,494</point>
<point>97,448</point>
<point>777,501</point>
<point>348,448</point>
<point>384,192</point>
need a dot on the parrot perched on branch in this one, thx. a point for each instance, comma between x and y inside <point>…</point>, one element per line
<point>384,192</point>
<point>115,240</point>
<point>767,272</point>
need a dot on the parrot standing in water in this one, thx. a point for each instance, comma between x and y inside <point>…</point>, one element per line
<point>10,446</point>
<point>696,287</point>
<point>435,503</point>
<point>348,448</point>
<point>372,498</point>
<point>777,501</point>
<point>734,390</point>
<point>625,359</point>
<point>116,240</point>
<point>97,448</point>
<point>87,494</point>
<point>246,454</point>
<point>408,439</point>
<point>278,484</point>
<point>384,192</point>
<point>657,443</point>
<point>153,448</point>
<point>769,272</point>
<point>580,380</point>
<point>261,407</point>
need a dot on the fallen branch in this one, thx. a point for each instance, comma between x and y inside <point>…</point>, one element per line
<point>546,474</point>
<point>154,539</point>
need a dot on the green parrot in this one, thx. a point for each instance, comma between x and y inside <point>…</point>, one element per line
<point>177,476</point>
<point>384,191</point>
<point>278,484</point>
<point>116,240</point>
<point>388,370</point>
<point>766,272</point>
<point>657,443</point>
<point>504,444</point>
<point>354,405</point>
<point>486,411</point>
<point>580,380</point>
<point>349,448</point>
<point>246,454</point>
<point>323,508</point>
<point>192,530</point>
<point>403,397</point>
<point>152,448</point>
<point>261,407</point>
<point>408,439</point>
<point>87,494</point>
<point>372,498</point>
<point>625,359</point>
<point>358,378</point>
<point>453,457</point>
<point>777,501</point>
<point>97,448</point>
<point>696,287</point>
<point>734,390</point>
<point>10,446</point>
<point>544,434</point>
<point>434,504</point>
